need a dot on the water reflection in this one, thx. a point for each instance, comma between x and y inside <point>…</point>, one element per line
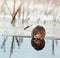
<point>26,50</point>
<point>19,40</point>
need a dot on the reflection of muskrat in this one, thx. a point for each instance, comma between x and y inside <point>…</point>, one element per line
<point>38,35</point>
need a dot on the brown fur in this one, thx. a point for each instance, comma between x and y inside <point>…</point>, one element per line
<point>38,35</point>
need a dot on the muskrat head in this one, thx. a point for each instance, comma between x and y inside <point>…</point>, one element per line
<point>38,32</point>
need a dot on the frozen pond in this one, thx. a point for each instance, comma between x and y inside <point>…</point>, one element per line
<point>6,28</point>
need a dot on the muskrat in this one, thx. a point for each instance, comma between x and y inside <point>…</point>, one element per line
<point>38,35</point>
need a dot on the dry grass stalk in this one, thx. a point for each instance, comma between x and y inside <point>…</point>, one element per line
<point>27,27</point>
<point>28,18</point>
<point>19,13</point>
<point>15,14</point>
<point>9,9</point>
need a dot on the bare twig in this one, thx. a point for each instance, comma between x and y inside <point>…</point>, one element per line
<point>27,27</point>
